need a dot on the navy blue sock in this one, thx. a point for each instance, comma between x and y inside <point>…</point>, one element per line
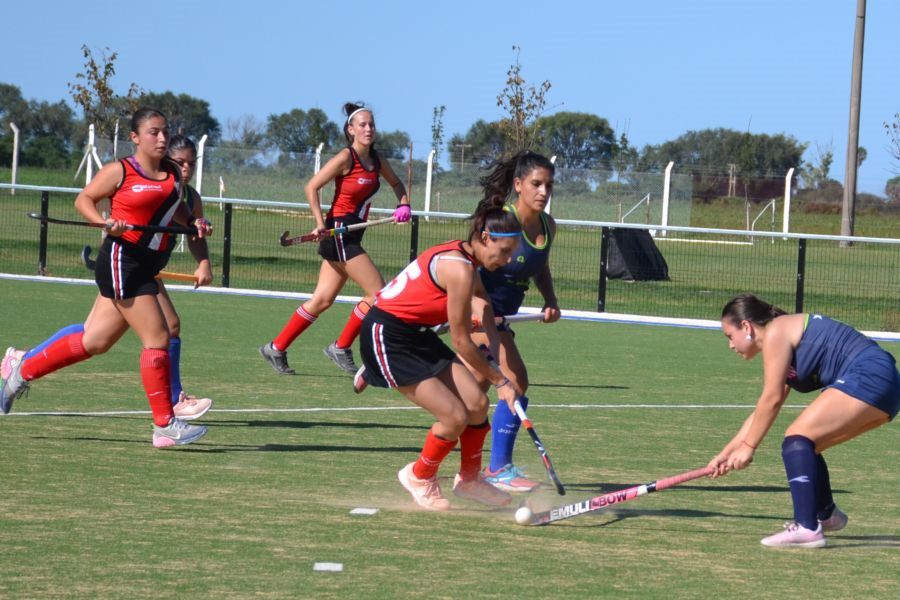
<point>67,330</point>
<point>799,455</point>
<point>504,428</point>
<point>175,367</point>
<point>824,500</point>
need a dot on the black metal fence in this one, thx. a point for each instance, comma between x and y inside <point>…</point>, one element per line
<point>859,283</point>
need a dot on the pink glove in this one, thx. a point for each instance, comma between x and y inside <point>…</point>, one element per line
<point>402,213</point>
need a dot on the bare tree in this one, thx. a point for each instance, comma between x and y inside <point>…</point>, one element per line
<point>523,105</point>
<point>893,131</point>
<point>437,131</point>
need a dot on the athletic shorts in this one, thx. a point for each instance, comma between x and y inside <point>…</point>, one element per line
<point>125,270</point>
<point>342,246</point>
<point>873,378</point>
<point>397,353</point>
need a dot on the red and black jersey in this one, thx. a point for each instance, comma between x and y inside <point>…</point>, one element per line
<point>354,191</point>
<point>140,200</point>
<point>414,296</point>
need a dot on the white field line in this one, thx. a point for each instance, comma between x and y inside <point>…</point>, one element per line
<point>114,413</point>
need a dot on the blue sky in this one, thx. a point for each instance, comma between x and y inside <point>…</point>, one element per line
<point>658,67</point>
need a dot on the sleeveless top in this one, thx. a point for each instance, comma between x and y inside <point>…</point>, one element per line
<point>414,296</point>
<point>354,191</point>
<point>826,349</point>
<point>507,285</point>
<point>140,200</point>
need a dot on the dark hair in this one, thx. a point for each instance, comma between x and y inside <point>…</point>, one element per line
<point>747,307</point>
<point>491,216</point>
<point>144,114</point>
<point>498,183</point>
<point>182,142</point>
<point>349,107</point>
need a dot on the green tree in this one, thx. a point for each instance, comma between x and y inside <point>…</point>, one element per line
<point>13,107</point>
<point>481,144</point>
<point>93,93</point>
<point>301,131</point>
<point>393,144</point>
<point>186,114</point>
<point>523,105</point>
<point>580,140</point>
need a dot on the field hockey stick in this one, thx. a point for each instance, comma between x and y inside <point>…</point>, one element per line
<point>545,456</point>
<point>150,228</point>
<point>519,318</point>
<point>91,264</point>
<point>599,502</point>
<point>284,240</point>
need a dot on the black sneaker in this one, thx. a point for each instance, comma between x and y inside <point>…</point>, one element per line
<point>277,359</point>
<point>342,357</point>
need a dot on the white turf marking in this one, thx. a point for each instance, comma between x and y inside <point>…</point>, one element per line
<point>110,413</point>
<point>323,566</point>
<point>364,511</point>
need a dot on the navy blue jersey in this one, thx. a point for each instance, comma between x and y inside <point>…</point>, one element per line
<point>826,350</point>
<point>507,285</point>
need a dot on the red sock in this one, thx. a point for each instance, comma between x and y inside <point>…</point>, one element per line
<point>470,444</point>
<point>155,377</point>
<point>300,320</point>
<point>354,324</point>
<point>435,450</point>
<point>61,353</point>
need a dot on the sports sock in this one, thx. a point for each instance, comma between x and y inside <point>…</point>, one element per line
<point>67,330</point>
<point>799,455</point>
<point>504,429</point>
<point>354,324</point>
<point>434,452</point>
<point>65,351</point>
<point>824,500</point>
<point>300,320</point>
<point>175,368</point>
<point>471,443</point>
<point>155,377</point>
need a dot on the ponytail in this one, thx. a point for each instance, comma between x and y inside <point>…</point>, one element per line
<point>747,307</point>
<point>497,185</point>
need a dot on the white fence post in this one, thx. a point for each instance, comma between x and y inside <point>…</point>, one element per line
<point>550,199</point>
<point>15,156</point>
<point>319,156</point>
<point>428,182</point>
<point>786,219</point>
<point>201,153</point>
<point>667,186</point>
<point>115,155</point>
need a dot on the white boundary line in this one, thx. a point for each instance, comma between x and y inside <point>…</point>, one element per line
<point>114,413</point>
<point>578,315</point>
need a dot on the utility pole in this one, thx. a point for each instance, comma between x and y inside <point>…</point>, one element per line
<point>462,155</point>
<point>848,212</point>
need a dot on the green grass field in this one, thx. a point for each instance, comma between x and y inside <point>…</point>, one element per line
<point>89,509</point>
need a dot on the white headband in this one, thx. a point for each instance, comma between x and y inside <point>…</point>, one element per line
<point>353,114</point>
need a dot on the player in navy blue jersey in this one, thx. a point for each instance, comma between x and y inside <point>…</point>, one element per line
<point>527,180</point>
<point>860,391</point>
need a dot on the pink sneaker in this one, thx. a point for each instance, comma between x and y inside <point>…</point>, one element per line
<point>9,359</point>
<point>796,536</point>
<point>481,491</point>
<point>189,408</point>
<point>836,522</point>
<point>426,492</point>
<point>359,382</point>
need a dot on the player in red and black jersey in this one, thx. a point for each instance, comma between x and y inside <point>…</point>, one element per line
<point>355,171</point>
<point>144,189</point>
<point>400,350</point>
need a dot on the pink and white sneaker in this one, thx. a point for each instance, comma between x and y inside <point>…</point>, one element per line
<point>426,492</point>
<point>480,490</point>
<point>796,536</point>
<point>10,359</point>
<point>189,407</point>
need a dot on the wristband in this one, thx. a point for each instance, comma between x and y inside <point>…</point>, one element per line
<point>748,444</point>
<point>505,381</point>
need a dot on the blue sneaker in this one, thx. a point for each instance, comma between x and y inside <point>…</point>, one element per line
<point>510,479</point>
<point>12,386</point>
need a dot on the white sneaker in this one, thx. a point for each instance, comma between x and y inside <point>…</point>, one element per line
<point>426,492</point>
<point>796,536</point>
<point>189,407</point>
<point>176,433</point>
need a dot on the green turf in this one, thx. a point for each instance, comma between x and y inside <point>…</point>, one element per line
<point>89,509</point>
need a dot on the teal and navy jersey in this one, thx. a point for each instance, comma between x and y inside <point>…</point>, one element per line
<point>507,285</point>
<point>826,350</point>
